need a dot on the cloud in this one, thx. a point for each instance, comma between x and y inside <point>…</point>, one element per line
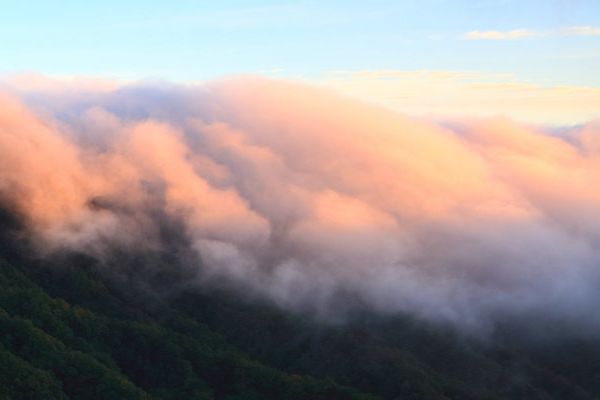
<point>456,93</point>
<point>500,35</point>
<point>529,33</point>
<point>304,197</point>
<point>582,31</point>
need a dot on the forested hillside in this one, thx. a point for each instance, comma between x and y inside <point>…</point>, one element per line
<point>70,330</point>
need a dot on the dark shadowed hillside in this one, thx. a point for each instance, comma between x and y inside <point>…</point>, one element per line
<point>71,331</point>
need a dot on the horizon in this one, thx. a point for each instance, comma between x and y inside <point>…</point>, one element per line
<point>533,61</point>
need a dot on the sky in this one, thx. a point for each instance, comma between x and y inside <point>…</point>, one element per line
<point>542,45</point>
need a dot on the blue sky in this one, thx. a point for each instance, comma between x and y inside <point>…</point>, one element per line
<point>532,60</point>
<point>196,40</point>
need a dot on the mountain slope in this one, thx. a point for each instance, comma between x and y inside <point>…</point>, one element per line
<point>72,329</point>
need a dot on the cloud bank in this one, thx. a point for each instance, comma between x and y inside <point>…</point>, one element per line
<point>304,197</point>
<point>468,94</point>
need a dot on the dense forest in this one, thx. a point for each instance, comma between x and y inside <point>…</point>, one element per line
<point>73,328</point>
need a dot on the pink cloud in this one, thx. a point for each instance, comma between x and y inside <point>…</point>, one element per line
<point>296,193</point>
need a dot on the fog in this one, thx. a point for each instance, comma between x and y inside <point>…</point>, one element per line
<point>304,197</point>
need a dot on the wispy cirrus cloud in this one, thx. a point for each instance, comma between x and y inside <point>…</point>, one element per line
<point>500,35</point>
<point>582,31</point>
<point>528,33</point>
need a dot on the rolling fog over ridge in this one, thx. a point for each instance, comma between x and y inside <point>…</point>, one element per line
<point>298,195</point>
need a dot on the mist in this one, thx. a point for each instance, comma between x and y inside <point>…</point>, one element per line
<point>304,197</point>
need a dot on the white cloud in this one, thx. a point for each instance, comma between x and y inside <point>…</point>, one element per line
<point>582,31</point>
<point>500,35</point>
<point>528,33</point>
